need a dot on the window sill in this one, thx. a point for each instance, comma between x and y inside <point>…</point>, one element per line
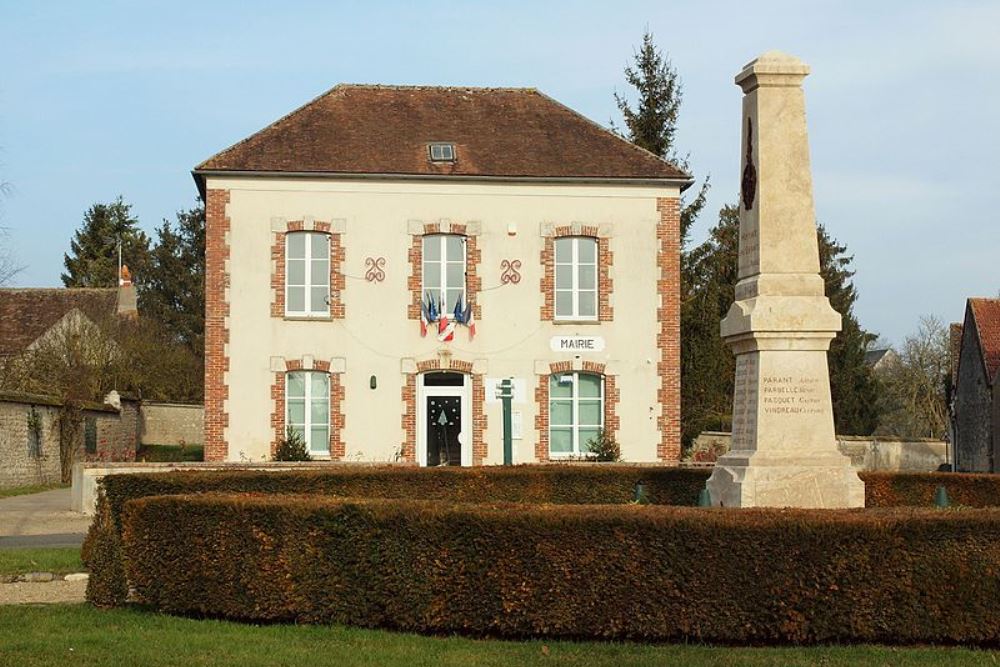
<point>577,322</point>
<point>308,318</point>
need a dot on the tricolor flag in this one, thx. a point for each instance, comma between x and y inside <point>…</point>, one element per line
<point>469,319</point>
<point>425,317</point>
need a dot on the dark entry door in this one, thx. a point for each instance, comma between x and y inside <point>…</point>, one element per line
<point>444,423</point>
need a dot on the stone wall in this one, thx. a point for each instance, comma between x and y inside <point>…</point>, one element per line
<point>19,465</point>
<point>171,424</point>
<point>973,450</point>
<point>866,453</point>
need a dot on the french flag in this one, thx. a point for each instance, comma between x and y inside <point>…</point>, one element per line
<point>469,319</point>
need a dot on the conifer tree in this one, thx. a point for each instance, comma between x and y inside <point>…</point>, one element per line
<point>93,257</point>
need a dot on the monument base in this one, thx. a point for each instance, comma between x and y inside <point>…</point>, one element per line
<point>821,482</point>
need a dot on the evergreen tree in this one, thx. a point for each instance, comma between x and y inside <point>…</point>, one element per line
<point>93,257</point>
<point>173,291</point>
<point>707,364</point>
<point>652,124</point>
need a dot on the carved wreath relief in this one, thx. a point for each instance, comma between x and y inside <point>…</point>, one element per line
<point>748,188</point>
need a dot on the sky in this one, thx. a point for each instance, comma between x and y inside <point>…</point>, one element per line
<point>101,99</point>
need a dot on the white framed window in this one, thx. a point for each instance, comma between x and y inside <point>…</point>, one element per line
<point>576,278</point>
<point>576,412</point>
<point>444,270</point>
<point>307,274</point>
<point>307,408</point>
<point>442,152</point>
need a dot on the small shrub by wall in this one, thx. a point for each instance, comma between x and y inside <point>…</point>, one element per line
<point>627,572</point>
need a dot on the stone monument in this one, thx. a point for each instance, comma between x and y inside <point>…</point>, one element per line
<point>784,450</point>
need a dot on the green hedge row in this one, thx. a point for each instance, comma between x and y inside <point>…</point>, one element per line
<point>623,572</point>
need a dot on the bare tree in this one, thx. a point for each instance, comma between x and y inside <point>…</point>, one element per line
<point>914,387</point>
<point>8,262</point>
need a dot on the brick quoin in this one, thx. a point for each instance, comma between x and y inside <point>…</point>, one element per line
<point>668,338</point>
<point>409,418</point>
<point>337,280</point>
<point>612,397</point>
<point>216,324</point>
<point>605,283</point>
<point>338,447</point>
<point>415,255</point>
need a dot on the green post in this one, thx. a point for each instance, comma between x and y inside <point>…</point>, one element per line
<point>704,498</point>
<point>506,394</point>
<point>941,497</point>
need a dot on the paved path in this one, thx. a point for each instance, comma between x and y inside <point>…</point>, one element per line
<point>44,514</point>
<point>48,593</point>
<point>42,541</point>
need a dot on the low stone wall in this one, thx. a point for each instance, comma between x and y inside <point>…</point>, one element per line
<point>866,453</point>
<point>22,461</point>
<point>172,424</point>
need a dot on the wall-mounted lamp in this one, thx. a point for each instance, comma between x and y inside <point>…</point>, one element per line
<point>511,229</point>
<point>372,382</point>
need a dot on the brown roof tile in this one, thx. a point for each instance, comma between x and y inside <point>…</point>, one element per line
<point>25,314</point>
<point>986,313</point>
<point>497,132</point>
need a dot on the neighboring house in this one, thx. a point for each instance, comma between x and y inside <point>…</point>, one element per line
<point>377,260</point>
<point>29,315</point>
<point>879,360</point>
<point>976,396</point>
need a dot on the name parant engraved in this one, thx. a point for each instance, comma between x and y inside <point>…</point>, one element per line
<point>787,394</point>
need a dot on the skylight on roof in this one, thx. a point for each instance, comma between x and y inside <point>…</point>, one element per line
<point>442,152</point>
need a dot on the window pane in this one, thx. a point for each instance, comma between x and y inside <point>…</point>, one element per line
<point>319,439</point>
<point>586,435</point>
<point>561,413</point>
<point>564,250</point>
<point>320,385</point>
<point>588,304</point>
<point>296,299</point>
<point>560,441</point>
<point>456,275</point>
<point>320,272</point>
<point>560,388</point>
<point>564,276</point>
<point>432,276</point>
<point>453,295</point>
<point>590,413</point>
<point>588,276</point>
<point>564,304</point>
<point>319,297</point>
<point>296,246</point>
<point>297,428</point>
<point>296,411</point>
<point>455,248</point>
<point>319,413</point>
<point>587,250</point>
<point>296,272</point>
<point>296,385</point>
<point>432,247</point>
<point>320,245</point>
<point>590,385</point>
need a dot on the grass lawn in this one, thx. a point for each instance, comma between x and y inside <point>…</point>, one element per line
<point>81,635</point>
<point>25,490</point>
<point>61,560</point>
<point>170,453</point>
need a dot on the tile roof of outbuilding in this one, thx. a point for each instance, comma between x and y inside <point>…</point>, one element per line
<point>986,314</point>
<point>386,131</point>
<point>26,314</point>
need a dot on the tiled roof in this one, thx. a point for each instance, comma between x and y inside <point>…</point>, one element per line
<point>25,314</point>
<point>386,130</point>
<point>872,357</point>
<point>986,313</point>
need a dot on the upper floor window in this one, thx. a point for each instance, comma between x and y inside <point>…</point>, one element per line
<point>442,152</point>
<point>576,412</point>
<point>444,270</point>
<point>576,278</point>
<point>307,274</point>
<point>307,408</point>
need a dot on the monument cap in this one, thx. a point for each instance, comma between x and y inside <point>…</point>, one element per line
<point>773,68</point>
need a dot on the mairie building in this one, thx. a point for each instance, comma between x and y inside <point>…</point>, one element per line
<point>378,260</point>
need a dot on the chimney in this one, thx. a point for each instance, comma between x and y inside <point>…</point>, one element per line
<point>127,302</point>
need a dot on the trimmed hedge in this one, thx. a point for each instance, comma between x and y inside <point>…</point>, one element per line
<point>623,572</point>
<point>886,489</point>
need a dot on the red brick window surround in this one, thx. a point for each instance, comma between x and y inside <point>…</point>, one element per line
<point>332,234</point>
<point>408,448</point>
<point>279,392</point>
<point>216,323</point>
<point>609,393</point>
<point>668,337</point>
<point>605,262</point>
<point>473,257</point>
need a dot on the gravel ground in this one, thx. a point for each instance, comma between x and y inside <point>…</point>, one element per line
<point>47,593</point>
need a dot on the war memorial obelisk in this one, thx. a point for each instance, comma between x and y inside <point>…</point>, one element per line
<point>784,451</point>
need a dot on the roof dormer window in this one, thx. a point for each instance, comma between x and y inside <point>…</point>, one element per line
<point>442,152</point>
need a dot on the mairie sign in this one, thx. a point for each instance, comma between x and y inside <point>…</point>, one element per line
<point>577,344</point>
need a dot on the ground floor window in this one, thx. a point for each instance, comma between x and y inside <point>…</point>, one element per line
<point>307,408</point>
<point>576,412</point>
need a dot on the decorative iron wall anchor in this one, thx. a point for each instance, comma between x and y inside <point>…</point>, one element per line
<point>375,272</point>
<point>509,272</point>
